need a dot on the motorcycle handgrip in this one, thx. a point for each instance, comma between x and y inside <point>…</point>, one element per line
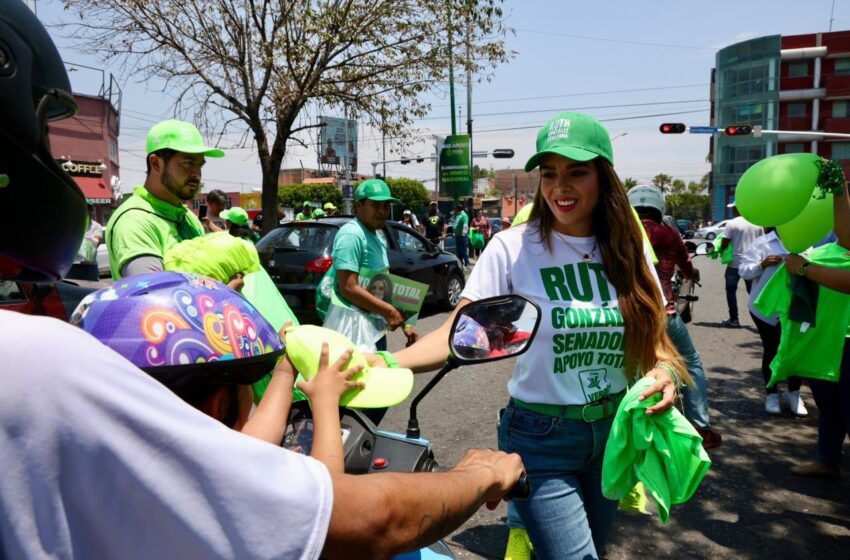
<point>522,488</point>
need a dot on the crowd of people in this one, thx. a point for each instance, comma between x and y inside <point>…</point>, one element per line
<point>158,449</point>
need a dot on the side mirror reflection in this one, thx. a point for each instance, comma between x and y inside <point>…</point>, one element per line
<point>494,328</point>
<point>704,249</point>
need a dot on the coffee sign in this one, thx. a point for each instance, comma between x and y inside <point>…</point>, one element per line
<point>83,168</point>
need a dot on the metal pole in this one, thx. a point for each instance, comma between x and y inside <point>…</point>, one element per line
<point>515,198</point>
<point>451,75</point>
<point>469,87</point>
<point>383,149</point>
<point>347,201</point>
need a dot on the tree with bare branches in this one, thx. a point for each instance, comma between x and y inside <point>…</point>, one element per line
<point>263,66</point>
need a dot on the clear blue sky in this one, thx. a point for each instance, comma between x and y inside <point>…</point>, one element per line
<point>596,57</point>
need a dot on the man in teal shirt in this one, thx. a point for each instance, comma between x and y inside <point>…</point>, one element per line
<point>154,218</point>
<point>360,250</point>
<point>461,233</point>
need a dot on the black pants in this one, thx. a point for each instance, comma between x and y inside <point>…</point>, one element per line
<point>770,336</point>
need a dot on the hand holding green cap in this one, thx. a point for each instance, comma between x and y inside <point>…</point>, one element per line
<point>180,136</point>
<point>384,386</point>
<point>576,136</point>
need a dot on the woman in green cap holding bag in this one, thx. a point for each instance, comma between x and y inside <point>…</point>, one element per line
<point>581,258</point>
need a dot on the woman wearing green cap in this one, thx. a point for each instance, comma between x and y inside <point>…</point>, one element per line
<point>581,258</point>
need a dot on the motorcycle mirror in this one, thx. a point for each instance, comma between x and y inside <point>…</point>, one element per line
<point>493,329</point>
<point>704,249</point>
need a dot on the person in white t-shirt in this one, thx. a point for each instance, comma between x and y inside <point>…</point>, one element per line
<point>581,258</point>
<point>99,460</point>
<point>741,234</point>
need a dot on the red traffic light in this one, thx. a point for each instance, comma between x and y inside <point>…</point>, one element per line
<point>672,128</point>
<point>738,130</point>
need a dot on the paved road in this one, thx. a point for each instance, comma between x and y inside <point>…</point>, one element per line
<point>748,506</point>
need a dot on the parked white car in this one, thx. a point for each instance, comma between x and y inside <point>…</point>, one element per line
<point>710,232</point>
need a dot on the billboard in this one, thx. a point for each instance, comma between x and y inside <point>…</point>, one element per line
<point>455,169</point>
<point>334,147</point>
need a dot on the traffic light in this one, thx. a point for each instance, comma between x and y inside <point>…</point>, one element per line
<point>405,161</point>
<point>672,128</point>
<point>504,153</point>
<point>738,130</point>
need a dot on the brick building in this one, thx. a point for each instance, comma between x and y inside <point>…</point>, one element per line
<point>788,83</point>
<point>86,146</point>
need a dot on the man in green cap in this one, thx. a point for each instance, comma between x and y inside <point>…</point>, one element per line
<point>306,212</point>
<point>155,217</point>
<point>360,253</point>
<point>330,209</point>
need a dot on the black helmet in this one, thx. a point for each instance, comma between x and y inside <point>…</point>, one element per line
<point>34,89</point>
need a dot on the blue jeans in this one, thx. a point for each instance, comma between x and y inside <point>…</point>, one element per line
<point>696,395</point>
<point>461,242</point>
<point>732,278</point>
<point>566,516</point>
<point>833,400</point>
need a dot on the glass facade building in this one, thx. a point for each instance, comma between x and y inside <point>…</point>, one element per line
<point>747,92</point>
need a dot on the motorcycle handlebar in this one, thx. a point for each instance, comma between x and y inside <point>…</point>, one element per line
<point>522,488</point>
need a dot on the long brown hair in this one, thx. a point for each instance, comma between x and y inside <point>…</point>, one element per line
<point>620,242</point>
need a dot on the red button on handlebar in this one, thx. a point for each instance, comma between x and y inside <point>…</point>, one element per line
<point>379,463</point>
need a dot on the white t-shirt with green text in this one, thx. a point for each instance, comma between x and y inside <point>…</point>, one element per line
<point>577,355</point>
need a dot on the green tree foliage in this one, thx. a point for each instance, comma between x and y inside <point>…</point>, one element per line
<point>661,181</point>
<point>293,196</point>
<point>629,183</point>
<point>263,71</point>
<point>412,194</point>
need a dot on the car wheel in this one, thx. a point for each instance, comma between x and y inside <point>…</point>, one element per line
<point>710,236</point>
<point>453,289</point>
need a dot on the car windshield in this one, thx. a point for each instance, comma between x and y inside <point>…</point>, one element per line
<point>313,238</point>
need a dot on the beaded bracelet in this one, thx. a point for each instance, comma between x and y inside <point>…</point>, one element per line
<point>389,359</point>
<point>673,373</point>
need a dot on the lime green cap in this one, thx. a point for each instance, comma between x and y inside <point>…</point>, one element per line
<point>576,136</point>
<point>180,136</point>
<point>374,189</point>
<point>383,386</point>
<point>330,206</point>
<point>235,215</point>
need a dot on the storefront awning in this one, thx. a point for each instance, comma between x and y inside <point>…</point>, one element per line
<point>94,189</point>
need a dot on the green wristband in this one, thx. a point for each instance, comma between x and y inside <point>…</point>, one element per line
<point>389,359</point>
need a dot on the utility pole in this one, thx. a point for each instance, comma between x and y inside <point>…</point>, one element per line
<point>516,209</point>
<point>347,201</point>
<point>451,74</point>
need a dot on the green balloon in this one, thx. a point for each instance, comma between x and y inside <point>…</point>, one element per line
<point>776,189</point>
<point>809,226</point>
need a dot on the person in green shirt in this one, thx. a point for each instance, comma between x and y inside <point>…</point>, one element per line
<point>359,249</point>
<point>306,212</point>
<point>461,233</point>
<point>831,397</point>
<point>155,217</point>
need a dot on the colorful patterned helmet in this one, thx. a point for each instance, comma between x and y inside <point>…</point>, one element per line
<point>470,340</point>
<point>185,330</point>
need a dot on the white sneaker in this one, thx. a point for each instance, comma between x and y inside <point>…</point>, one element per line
<point>795,403</point>
<point>771,404</point>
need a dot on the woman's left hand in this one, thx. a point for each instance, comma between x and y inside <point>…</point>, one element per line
<point>665,385</point>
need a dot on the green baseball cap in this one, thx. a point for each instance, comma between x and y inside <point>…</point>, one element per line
<point>235,215</point>
<point>374,189</point>
<point>307,203</point>
<point>330,206</point>
<point>180,136</point>
<point>573,135</point>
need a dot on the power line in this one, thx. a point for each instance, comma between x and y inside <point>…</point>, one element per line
<point>557,96</point>
<point>580,108</point>
<point>618,41</point>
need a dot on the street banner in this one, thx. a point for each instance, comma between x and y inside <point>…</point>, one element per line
<point>333,148</point>
<point>455,168</point>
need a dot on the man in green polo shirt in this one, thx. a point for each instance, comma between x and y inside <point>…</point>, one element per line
<point>306,212</point>
<point>154,218</point>
<point>360,254</point>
